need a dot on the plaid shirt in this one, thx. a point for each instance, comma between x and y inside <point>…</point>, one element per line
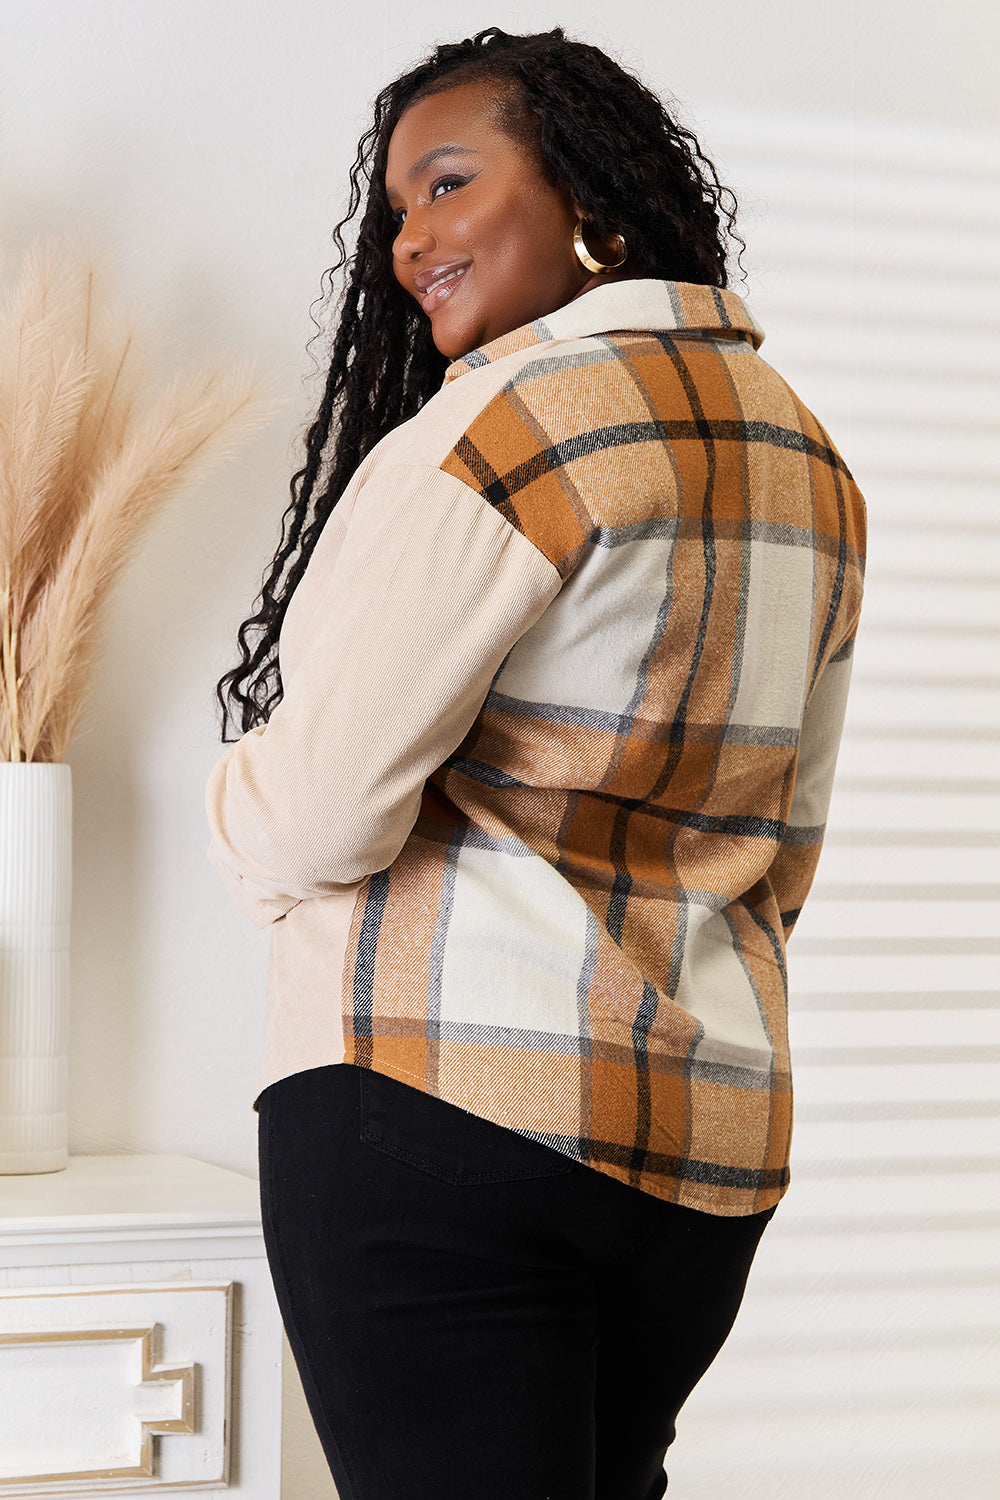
<point>583,634</point>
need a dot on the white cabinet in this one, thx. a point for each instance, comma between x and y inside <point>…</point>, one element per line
<point>140,1343</point>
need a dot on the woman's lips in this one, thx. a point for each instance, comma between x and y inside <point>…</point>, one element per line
<point>442,288</point>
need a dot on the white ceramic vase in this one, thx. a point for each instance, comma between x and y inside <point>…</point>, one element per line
<point>36,805</point>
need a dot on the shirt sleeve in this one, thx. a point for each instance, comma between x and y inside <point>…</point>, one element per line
<point>430,590</point>
<point>794,865</point>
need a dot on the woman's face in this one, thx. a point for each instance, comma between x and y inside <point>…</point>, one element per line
<point>485,242</point>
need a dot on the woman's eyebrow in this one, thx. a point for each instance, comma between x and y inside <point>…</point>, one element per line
<point>423,162</point>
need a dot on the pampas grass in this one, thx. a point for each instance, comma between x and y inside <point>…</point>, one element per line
<point>86,462</point>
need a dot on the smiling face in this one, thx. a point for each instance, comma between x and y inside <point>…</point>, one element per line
<point>484,242</point>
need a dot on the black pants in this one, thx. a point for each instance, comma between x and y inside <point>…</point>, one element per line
<point>474,1315</point>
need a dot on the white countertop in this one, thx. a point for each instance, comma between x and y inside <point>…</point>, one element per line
<point>127,1192</point>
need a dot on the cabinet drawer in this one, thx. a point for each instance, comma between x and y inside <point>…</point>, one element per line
<point>115,1387</point>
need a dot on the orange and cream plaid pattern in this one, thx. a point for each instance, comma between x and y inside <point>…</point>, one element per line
<point>583,937</point>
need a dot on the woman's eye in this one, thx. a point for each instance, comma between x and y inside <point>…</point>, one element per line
<point>443,185</point>
<point>447,183</point>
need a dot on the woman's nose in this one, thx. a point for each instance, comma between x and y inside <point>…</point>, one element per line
<point>414,238</point>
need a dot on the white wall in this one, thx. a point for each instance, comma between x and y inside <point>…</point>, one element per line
<point>207,144</point>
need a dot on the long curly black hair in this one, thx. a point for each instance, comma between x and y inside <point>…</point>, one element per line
<point>604,137</point>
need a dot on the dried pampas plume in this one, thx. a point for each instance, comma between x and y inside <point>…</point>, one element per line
<point>85,464</point>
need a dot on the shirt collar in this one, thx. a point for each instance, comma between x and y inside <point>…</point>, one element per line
<point>617,306</point>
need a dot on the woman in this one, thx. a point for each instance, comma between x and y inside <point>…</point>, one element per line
<point>567,594</point>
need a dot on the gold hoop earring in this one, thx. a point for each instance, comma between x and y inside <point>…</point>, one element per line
<point>586,259</point>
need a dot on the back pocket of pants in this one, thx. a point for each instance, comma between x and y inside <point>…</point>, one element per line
<point>448,1142</point>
